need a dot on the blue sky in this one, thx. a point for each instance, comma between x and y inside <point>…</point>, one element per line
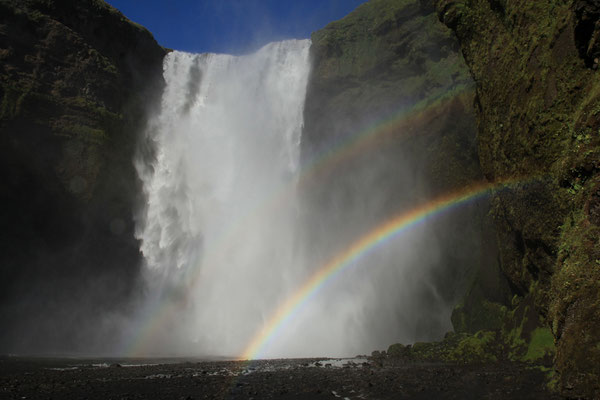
<point>231,26</point>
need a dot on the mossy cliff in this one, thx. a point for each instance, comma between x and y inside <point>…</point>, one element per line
<point>535,65</point>
<point>392,75</point>
<point>75,78</point>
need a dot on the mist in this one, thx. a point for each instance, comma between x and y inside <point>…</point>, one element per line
<point>236,220</point>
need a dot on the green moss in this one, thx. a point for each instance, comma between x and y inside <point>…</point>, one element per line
<point>514,340</point>
<point>575,309</point>
<point>96,110</point>
<point>541,345</point>
<point>475,348</point>
<point>483,346</point>
<point>577,256</point>
<point>36,16</point>
<point>110,68</point>
<point>27,103</point>
<point>521,337</point>
<point>396,350</point>
<point>455,348</point>
<point>80,131</point>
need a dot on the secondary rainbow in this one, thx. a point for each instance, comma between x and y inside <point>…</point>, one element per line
<point>323,162</point>
<point>368,242</point>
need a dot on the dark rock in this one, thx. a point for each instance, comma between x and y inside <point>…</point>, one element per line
<point>536,104</point>
<point>76,79</point>
<point>587,30</point>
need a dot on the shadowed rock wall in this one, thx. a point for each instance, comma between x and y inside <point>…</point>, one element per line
<point>538,112</point>
<point>75,83</point>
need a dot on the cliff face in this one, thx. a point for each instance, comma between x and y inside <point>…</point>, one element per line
<point>391,62</point>
<point>538,106</point>
<point>390,100</point>
<point>75,78</point>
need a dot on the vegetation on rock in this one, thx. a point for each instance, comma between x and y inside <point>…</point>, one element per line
<point>538,99</point>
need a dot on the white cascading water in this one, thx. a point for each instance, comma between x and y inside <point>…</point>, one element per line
<point>218,234</point>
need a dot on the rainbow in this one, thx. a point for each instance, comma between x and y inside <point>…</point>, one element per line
<point>359,248</point>
<point>404,122</point>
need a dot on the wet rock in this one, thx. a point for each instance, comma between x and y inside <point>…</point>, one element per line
<point>587,30</point>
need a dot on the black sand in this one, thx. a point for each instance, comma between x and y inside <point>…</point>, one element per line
<point>45,378</point>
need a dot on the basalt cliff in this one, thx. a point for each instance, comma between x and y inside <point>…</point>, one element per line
<point>75,78</point>
<point>535,65</point>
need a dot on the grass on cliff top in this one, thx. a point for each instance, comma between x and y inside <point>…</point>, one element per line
<point>352,38</point>
<point>102,5</point>
<point>392,43</point>
<point>375,14</point>
<point>99,6</point>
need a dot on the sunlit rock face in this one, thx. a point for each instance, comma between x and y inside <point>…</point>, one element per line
<point>389,109</point>
<point>535,64</point>
<point>75,78</point>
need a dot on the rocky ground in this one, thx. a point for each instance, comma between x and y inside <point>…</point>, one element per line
<point>359,378</point>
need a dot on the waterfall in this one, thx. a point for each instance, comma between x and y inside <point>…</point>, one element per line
<point>226,242</point>
<point>218,230</point>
